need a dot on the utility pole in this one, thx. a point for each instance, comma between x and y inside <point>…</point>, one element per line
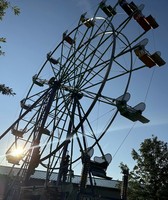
<point>124,186</point>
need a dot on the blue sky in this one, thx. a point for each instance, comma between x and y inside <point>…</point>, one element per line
<point>38,29</point>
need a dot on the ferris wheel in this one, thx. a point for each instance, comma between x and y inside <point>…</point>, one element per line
<point>77,94</point>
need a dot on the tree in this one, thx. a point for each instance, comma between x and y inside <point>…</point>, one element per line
<point>6,90</point>
<point>149,177</point>
<point>4,5</point>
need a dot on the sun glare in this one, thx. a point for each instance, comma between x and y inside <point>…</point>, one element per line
<point>17,152</point>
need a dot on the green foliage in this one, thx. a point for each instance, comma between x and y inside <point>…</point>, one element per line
<point>16,10</point>
<point>123,167</point>
<point>149,178</point>
<point>6,90</point>
<point>2,40</point>
<point>4,5</point>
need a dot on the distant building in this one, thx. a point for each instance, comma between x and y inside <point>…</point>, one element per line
<point>102,189</point>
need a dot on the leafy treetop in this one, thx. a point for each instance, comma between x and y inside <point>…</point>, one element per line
<point>149,178</point>
<point>4,5</point>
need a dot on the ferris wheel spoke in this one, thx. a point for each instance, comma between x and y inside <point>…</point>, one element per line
<point>86,47</point>
<point>93,70</point>
<point>92,133</point>
<point>71,57</point>
<point>92,48</point>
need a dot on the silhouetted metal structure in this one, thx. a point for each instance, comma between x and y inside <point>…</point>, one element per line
<point>56,126</point>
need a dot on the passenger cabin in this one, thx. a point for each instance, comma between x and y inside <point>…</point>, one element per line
<point>142,21</point>
<point>129,8</point>
<point>17,133</point>
<point>52,60</point>
<point>68,39</point>
<point>144,56</point>
<point>108,10</point>
<point>87,22</point>
<point>99,166</point>
<point>145,22</point>
<point>13,159</point>
<point>148,59</point>
<point>134,113</point>
<point>38,81</point>
<point>131,113</point>
<point>24,105</point>
<point>133,10</point>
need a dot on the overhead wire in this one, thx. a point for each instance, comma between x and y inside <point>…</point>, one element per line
<point>146,95</point>
<point>124,140</point>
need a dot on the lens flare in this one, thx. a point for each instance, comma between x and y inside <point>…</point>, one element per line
<point>17,152</point>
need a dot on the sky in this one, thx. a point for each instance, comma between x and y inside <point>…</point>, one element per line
<point>37,31</point>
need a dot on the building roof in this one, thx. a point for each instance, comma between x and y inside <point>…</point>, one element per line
<point>5,170</point>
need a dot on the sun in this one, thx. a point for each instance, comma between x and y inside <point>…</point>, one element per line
<point>17,152</point>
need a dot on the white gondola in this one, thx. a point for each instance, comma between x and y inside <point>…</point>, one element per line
<point>131,113</point>
<point>134,113</point>
<point>87,22</point>
<point>99,166</point>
